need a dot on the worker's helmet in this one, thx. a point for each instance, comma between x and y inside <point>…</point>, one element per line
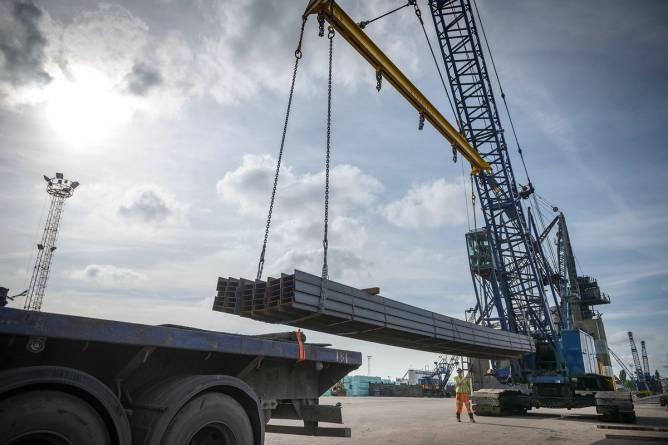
<point>459,370</point>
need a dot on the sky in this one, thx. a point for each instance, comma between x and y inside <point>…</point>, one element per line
<point>170,114</point>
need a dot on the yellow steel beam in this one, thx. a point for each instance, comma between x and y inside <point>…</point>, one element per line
<point>350,31</point>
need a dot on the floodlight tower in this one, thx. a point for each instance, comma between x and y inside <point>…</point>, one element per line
<point>59,189</point>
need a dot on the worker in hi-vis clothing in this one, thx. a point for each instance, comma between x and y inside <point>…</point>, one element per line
<point>463,390</point>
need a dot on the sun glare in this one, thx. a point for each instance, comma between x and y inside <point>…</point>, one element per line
<point>85,109</point>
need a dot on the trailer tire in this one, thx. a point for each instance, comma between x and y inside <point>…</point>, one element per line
<point>217,416</point>
<point>50,417</point>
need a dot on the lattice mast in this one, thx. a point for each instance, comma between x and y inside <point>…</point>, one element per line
<point>568,285</point>
<point>59,189</point>
<point>509,287</point>
<point>640,375</point>
<point>645,362</point>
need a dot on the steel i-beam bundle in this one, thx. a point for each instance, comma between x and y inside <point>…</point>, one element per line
<point>296,300</point>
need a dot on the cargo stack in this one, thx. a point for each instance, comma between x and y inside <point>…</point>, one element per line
<point>358,385</point>
<point>304,300</point>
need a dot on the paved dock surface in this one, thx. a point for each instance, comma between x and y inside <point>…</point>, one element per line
<point>386,420</point>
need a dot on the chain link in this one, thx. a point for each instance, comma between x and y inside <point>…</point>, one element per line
<point>325,241</point>
<point>379,80</point>
<point>421,121</point>
<point>298,56</point>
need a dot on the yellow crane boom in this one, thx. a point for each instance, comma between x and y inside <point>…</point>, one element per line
<point>350,31</point>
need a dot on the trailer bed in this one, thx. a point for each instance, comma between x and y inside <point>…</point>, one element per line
<point>58,326</point>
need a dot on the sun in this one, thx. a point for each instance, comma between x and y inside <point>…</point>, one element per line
<point>84,107</point>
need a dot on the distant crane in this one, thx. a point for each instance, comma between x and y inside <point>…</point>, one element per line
<point>653,384</point>
<point>645,362</point>
<point>443,370</point>
<point>640,375</point>
<point>59,189</point>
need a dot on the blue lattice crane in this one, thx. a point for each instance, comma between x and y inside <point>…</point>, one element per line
<point>516,285</point>
<point>504,256</point>
<point>508,285</point>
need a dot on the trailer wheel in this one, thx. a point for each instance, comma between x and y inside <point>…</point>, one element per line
<point>50,418</point>
<point>210,419</point>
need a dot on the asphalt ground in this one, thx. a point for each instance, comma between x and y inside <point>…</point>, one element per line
<point>425,421</point>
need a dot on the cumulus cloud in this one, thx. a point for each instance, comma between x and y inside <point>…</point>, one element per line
<point>107,274</point>
<point>297,233</point>
<point>248,187</point>
<point>22,44</point>
<point>111,42</point>
<point>232,68</point>
<point>224,64</point>
<point>143,78</point>
<point>149,204</point>
<point>431,204</point>
<point>297,244</point>
<point>344,232</point>
<point>344,264</point>
<point>106,59</point>
<point>108,38</point>
<point>250,182</point>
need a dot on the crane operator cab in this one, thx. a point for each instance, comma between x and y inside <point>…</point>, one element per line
<point>479,252</point>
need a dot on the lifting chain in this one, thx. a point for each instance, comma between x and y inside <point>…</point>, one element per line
<point>379,80</point>
<point>418,13</point>
<point>325,241</point>
<point>298,56</point>
<point>421,121</point>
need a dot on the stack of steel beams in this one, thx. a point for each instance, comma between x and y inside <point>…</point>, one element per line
<point>297,300</point>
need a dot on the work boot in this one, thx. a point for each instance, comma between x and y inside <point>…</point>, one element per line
<point>459,419</point>
<point>471,417</point>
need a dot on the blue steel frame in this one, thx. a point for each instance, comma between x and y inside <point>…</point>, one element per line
<point>513,296</point>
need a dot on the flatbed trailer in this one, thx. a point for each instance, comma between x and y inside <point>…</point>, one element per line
<point>68,379</point>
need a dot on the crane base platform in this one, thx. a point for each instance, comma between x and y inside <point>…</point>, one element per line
<point>613,406</point>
